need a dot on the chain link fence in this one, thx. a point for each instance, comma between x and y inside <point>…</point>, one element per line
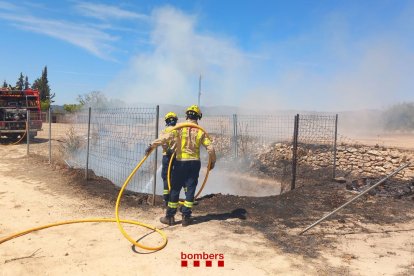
<point>292,150</point>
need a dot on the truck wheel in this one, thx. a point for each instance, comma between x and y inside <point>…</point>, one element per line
<point>32,135</point>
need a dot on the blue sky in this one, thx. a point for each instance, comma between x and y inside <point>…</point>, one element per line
<point>314,55</point>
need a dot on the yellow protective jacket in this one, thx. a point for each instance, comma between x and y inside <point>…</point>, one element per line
<point>169,146</point>
<point>187,142</point>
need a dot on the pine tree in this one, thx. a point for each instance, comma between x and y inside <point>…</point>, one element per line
<point>20,82</point>
<point>42,84</point>
<point>5,84</point>
<point>46,88</point>
<point>26,83</point>
<point>36,83</point>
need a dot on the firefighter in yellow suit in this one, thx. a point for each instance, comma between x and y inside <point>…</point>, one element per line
<point>187,164</point>
<point>167,151</point>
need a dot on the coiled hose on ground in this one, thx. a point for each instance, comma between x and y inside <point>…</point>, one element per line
<point>117,219</point>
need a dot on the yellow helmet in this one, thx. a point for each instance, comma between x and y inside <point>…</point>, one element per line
<point>171,119</point>
<point>170,115</point>
<point>194,110</point>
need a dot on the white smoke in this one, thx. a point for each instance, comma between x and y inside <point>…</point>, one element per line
<point>329,68</point>
<point>169,72</point>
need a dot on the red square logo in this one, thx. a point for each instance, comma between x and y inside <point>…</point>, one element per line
<point>221,263</point>
<point>208,263</point>
<point>184,263</point>
<point>196,263</point>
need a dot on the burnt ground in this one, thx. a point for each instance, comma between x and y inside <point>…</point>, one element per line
<point>280,218</point>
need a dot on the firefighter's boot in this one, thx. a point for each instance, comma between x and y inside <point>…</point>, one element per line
<point>167,220</point>
<point>186,221</point>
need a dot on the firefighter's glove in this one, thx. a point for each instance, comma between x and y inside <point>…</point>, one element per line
<point>148,150</point>
<point>212,164</point>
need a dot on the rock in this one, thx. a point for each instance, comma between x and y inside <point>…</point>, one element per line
<point>379,169</point>
<point>340,179</point>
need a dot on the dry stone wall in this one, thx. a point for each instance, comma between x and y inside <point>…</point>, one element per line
<point>368,161</point>
<point>351,160</point>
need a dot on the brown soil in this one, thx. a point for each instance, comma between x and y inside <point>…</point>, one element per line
<point>256,234</point>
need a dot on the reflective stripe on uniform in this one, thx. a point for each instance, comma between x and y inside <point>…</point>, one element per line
<point>173,205</point>
<point>185,189</point>
<point>166,192</point>
<point>188,204</point>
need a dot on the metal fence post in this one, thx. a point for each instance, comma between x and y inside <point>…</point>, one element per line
<point>87,146</point>
<point>334,153</point>
<point>50,136</point>
<point>235,134</point>
<point>295,151</point>
<point>355,198</point>
<point>157,119</point>
<point>27,132</point>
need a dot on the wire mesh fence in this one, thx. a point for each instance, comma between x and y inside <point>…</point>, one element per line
<point>258,145</point>
<point>62,138</point>
<point>118,139</point>
<point>316,148</point>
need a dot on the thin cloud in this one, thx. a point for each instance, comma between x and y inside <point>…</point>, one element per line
<point>105,12</point>
<point>7,6</point>
<point>111,27</point>
<point>90,39</point>
<point>97,39</point>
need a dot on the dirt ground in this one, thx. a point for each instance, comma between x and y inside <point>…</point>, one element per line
<point>258,236</point>
<point>401,140</point>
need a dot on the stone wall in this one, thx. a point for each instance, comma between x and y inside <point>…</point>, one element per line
<point>368,161</point>
<point>351,160</point>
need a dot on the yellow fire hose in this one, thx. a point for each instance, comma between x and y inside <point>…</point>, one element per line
<point>116,219</point>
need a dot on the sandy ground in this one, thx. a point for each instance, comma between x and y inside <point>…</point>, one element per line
<point>33,193</point>
<point>403,141</point>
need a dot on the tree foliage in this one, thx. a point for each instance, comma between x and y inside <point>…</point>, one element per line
<point>42,84</point>
<point>72,107</point>
<point>97,99</point>
<point>399,117</point>
<point>20,82</point>
<point>26,83</point>
<point>93,99</point>
<point>44,105</point>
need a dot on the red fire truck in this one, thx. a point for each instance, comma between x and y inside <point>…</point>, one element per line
<point>14,105</point>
